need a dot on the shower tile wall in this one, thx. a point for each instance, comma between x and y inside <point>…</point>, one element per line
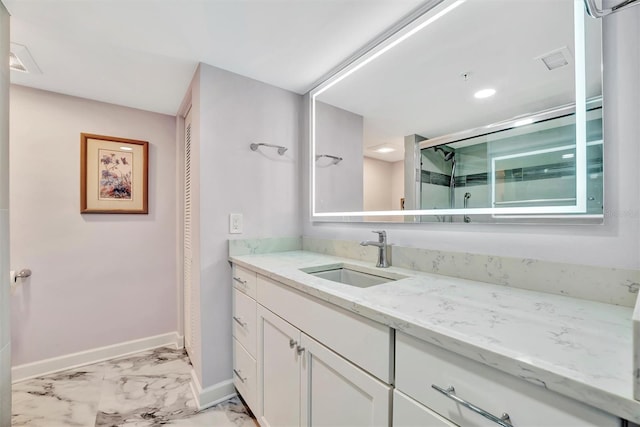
<point>434,180</point>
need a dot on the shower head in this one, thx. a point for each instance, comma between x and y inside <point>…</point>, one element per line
<point>448,155</point>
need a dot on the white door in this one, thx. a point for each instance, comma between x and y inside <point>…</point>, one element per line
<point>189,300</point>
<point>5,333</point>
<point>337,393</point>
<point>278,371</point>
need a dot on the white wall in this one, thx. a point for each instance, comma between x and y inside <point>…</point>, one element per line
<point>340,133</point>
<point>615,244</point>
<point>397,184</point>
<point>377,185</point>
<point>5,345</point>
<point>234,112</point>
<point>97,279</point>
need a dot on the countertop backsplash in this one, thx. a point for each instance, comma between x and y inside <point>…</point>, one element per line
<point>601,284</point>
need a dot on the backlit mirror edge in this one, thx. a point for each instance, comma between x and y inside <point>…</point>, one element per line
<point>435,10</point>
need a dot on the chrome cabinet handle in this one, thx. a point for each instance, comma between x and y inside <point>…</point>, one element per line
<point>239,376</point>
<point>239,280</point>
<point>292,343</point>
<point>450,392</point>
<point>239,321</point>
<point>300,350</point>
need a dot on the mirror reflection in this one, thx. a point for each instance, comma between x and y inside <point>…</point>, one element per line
<point>448,127</point>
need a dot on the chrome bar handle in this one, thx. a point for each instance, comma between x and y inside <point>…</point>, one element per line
<point>239,321</point>
<point>300,350</point>
<point>239,280</point>
<point>239,376</point>
<point>450,392</point>
<point>292,343</point>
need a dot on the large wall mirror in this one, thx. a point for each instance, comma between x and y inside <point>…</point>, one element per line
<point>474,111</point>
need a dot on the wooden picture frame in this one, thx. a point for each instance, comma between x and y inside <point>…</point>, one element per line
<point>114,175</point>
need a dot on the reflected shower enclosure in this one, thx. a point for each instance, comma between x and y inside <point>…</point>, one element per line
<point>525,166</point>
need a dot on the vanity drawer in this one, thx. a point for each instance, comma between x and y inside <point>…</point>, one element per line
<point>420,364</point>
<point>244,374</point>
<point>244,280</point>
<point>245,321</point>
<point>409,413</point>
<point>364,342</point>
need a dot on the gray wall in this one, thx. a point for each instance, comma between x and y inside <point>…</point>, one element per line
<point>234,112</point>
<point>97,279</point>
<point>617,242</point>
<point>339,133</point>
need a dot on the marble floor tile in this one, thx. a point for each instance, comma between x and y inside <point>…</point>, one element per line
<point>150,388</point>
<point>229,413</point>
<point>68,398</point>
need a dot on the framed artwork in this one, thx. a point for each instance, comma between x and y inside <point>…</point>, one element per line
<point>114,175</point>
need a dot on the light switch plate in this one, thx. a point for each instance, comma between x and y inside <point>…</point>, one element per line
<point>235,223</point>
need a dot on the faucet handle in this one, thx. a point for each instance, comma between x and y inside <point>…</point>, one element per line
<point>381,234</point>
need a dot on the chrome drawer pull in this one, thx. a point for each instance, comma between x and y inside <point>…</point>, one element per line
<point>300,350</point>
<point>239,321</point>
<point>450,392</point>
<point>239,280</point>
<point>239,376</point>
<point>292,343</point>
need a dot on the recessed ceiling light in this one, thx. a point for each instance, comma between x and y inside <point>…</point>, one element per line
<point>484,93</point>
<point>384,150</point>
<point>523,122</point>
<point>126,148</point>
<point>568,156</point>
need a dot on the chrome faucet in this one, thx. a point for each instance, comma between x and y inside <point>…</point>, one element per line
<point>382,248</point>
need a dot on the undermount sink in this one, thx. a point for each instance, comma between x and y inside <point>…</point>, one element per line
<point>352,275</point>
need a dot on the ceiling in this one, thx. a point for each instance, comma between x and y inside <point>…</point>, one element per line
<point>419,87</point>
<point>143,53</point>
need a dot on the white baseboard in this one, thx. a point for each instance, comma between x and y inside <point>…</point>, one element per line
<point>74,360</point>
<point>212,395</point>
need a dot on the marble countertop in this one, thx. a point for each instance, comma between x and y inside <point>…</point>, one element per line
<point>580,349</point>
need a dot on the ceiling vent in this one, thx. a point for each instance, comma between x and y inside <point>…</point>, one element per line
<point>556,59</point>
<point>21,60</point>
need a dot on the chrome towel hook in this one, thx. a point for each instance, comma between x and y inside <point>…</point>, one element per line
<point>335,159</point>
<point>281,149</point>
<point>22,274</point>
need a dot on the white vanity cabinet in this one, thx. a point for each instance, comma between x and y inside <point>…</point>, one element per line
<point>419,365</point>
<point>302,361</point>
<point>303,383</point>
<point>244,334</point>
<point>299,361</point>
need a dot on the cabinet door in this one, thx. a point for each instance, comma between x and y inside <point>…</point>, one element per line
<point>337,393</point>
<point>278,371</point>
